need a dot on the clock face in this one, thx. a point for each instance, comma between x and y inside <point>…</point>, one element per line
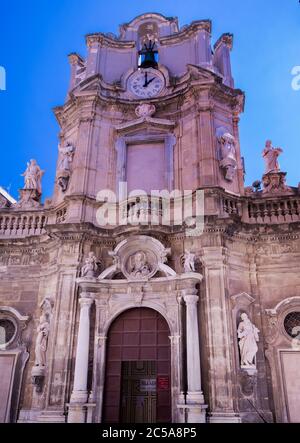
<point>146,83</point>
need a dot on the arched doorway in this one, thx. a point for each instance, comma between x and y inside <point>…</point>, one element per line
<point>138,369</point>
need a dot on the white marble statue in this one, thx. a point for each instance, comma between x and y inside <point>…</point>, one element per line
<point>270,155</point>
<point>138,265</point>
<point>33,176</point>
<point>42,340</point>
<point>67,154</point>
<point>228,154</point>
<point>90,268</point>
<point>188,259</point>
<point>228,146</point>
<point>248,338</point>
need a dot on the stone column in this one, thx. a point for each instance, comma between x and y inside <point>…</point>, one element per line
<point>79,397</point>
<point>194,398</point>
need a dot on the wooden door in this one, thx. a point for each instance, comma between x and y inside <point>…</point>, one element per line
<point>139,336</point>
<point>138,402</point>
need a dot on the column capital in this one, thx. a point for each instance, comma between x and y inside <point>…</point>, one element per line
<point>101,339</point>
<point>191,299</point>
<point>85,301</point>
<point>174,339</point>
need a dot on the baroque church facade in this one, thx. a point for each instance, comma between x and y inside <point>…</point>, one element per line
<point>150,224</point>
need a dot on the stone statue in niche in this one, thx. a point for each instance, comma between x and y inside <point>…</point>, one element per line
<point>43,333</point>
<point>63,168</point>
<point>248,339</point>
<point>270,155</point>
<point>188,261</point>
<point>228,153</point>
<point>33,177</point>
<point>138,265</point>
<point>42,341</point>
<point>91,266</point>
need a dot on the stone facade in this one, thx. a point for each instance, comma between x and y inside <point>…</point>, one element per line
<point>65,278</point>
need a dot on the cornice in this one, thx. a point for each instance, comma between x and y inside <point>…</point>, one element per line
<point>146,122</point>
<point>187,32</point>
<point>225,39</point>
<point>75,59</point>
<point>105,40</point>
<point>196,80</point>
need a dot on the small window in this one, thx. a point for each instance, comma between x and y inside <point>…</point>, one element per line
<point>7,331</point>
<point>292,324</point>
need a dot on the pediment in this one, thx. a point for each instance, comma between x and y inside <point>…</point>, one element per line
<point>147,124</point>
<point>242,299</point>
<point>202,74</point>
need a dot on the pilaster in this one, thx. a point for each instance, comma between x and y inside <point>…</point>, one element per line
<point>218,332</point>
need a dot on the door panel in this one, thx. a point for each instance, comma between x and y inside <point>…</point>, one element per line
<point>7,363</point>
<point>291,379</point>
<point>138,392</point>
<point>139,336</point>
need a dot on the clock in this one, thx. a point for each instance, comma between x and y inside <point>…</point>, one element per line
<point>146,83</point>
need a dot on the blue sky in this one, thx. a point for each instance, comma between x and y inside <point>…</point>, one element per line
<point>37,36</point>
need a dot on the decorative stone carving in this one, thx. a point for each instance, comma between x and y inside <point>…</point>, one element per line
<point>247,383</point>
<point>270,155</point>
<point>138,266</point>
<point>29,199</point>
<point>248,338</point>
<point>138,258</point>
<point>38,371</point>
<point>188,261</point>
<point>275,183</point>
<point>228,160</point>
<point>91,266</point>
<point>63,168</point>
<point>145,110</point>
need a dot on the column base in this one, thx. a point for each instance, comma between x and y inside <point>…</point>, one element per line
<point>193,398</point>
<point>219,417</point>
<point>79,397</point>
<point>194,413</point>
<point>77,413</point>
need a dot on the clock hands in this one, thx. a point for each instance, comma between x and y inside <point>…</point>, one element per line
<point>147,82</point>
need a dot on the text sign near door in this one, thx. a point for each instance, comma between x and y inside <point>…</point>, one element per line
<point>148,385</point>
<point>163,383</point>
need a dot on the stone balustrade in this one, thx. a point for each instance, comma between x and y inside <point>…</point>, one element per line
<point>276,210</point>
<point>279,210</point>
<point>231,206</point>
<point>22,224</point>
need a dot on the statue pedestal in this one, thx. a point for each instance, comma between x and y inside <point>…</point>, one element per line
<point>251,370</point>
<point>275,183</point>
<point>38,376</point>
<point>29,199</point>
<point>63,177</point>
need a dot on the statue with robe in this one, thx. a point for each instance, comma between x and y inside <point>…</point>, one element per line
<point>67,154</point>
<point>188,261</point>
<point>270,155</point>
<point>228,154</point>
<point>33,177</point>
<point>248,339</point>
<point>42,341</point>
<point>90,268</point>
